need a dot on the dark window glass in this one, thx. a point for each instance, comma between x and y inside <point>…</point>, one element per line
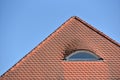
<point>83,55</point>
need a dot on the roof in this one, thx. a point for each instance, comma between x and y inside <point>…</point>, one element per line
<point>45,61</point>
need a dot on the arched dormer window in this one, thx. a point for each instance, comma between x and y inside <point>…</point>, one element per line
<point>83,55</point>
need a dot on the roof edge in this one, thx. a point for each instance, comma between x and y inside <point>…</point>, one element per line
<point>96,30</point>
<point>34,48</point>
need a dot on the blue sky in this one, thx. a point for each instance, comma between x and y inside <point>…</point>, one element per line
<point>25,23</point>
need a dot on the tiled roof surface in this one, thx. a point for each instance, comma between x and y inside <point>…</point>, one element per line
<point>45,62</point>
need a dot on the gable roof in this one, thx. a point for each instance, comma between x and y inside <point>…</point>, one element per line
<point>45,61</point>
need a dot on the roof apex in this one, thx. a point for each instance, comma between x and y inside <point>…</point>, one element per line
<point>94,29</point>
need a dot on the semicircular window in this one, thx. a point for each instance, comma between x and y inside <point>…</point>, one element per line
<point>83,55</point>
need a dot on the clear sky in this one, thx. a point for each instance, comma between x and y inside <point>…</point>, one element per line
<point>25,23</point>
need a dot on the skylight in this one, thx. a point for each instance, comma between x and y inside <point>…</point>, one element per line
<point>83,55</point>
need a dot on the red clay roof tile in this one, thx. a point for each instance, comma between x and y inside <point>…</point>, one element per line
<point>45,62</point>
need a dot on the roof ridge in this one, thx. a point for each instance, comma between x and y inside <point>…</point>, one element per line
<point>96,30</point>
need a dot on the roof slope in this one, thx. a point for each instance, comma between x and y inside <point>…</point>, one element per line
<point>46,62</point>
